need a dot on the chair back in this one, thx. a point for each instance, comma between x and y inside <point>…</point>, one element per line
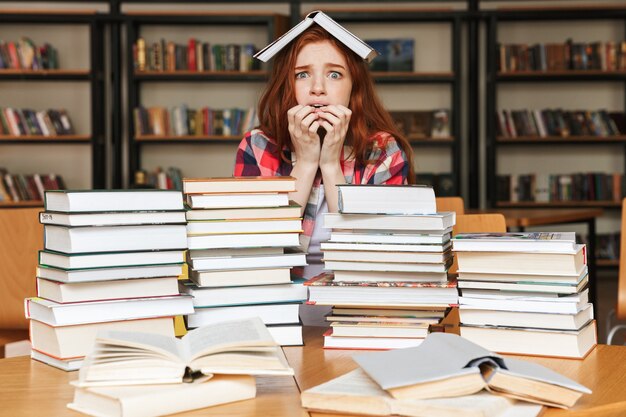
<point>477,223</point>
<point>621,285</point>
<point>454,204</point>
<point>21,236</point>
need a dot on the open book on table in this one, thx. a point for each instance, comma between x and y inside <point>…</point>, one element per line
<point>446,365</point>
<point>356,393</point>
<point>234,347</point>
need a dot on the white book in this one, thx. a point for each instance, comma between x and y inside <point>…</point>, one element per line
<point>216,185</point>
<point>243,240</point>
<point>335,29</point>
<point>480,317</point>
<point>114,238</point>
<point>384,247</point>
<point>268,313</point>
<point>287,334</point>
<point>112,218</point>
<point>255,294</point>
<point>393,257</point>
<point>240,277</point>
<point>423,222</point>
<point>386,237</point>
<point>119,200</point>
<point>344,342</point>
<point>290,211</point>
<point>56,314</point>
<point>570,304</point>
<point>547,287</point>
<point>71,342</point>
<point>542,342</point>
<point>62,364</point>
<point>244,226</point>
<point>164,399</point>
<point>100,260</point>
<point>384,266</point>
<point>243,262</point>
<point>515,242</point>
<point>386,199</point>
<point>218,201</point>
<point>111,273</point>
<point>106,290</point>
<point>557,277</point>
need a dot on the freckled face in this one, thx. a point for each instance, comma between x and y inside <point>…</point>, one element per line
<point>322,75</point>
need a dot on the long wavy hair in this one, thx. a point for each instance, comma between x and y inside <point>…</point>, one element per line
<point>368,114</point>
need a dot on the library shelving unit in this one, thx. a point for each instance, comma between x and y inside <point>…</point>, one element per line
<point>93,76</point>
<point>494,79</point>
<point>271,23</point>
<point>450,77</point>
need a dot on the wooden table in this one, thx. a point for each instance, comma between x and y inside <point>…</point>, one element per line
<point>30,388</point>
<point>522,218</point>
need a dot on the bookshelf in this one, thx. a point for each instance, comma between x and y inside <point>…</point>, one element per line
<point>431,82</point>
<point>77,86</point>
<point>193,88</point>
<point>606,154</point>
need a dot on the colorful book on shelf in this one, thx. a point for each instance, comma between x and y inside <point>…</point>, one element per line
<point>446,365</point>
<point>243,347</point>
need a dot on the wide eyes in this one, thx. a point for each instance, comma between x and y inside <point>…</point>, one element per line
<point>333,75</point>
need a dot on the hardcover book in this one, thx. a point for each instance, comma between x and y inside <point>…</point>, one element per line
<point>446,365</point>
<point>335,29</point>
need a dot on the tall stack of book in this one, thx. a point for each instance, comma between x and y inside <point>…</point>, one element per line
<point>111,261</point>
<point>525,293</point>
<point>243,235</point>
<point>389,267</point>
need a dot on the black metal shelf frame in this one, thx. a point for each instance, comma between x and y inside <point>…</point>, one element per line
<point>95,79</point>
<point>493,19</point>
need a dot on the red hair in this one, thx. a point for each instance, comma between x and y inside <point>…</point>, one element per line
<point>368,114</point>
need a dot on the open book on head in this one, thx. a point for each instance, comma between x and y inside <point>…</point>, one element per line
<point>235,347</point>
<point>446,365</point>
<point>342,34</point>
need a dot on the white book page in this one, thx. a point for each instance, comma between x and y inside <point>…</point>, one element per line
<point>166,346</point>
<point>243,335</point>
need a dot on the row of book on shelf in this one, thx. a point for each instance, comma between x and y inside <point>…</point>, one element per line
<point>19,187</point>
<point>557,122</point>
<point>544,188</point>
<point>25,54</point>
<point>603,56</point>
<point>25,122</point>
<point>196,55</point>
<point>424,124</point>
<point>183,121</point>
<point>159,178</point>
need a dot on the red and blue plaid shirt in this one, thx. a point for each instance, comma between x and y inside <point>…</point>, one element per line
<point>257,156</point>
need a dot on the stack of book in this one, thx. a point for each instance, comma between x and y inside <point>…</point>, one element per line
<point>243,235</point>
<point>389,261</point>
<point>525,293</point>
<point>111,261</point>
<point>444,376</point>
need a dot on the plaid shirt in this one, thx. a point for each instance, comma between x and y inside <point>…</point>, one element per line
<point>257,156</point>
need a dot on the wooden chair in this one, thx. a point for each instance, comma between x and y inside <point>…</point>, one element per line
<point>620,310</point>
<point>21,236</point>
<point>454,204</point>
<point>477,223</point>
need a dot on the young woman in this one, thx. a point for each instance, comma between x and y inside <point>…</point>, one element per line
<point>322,123</point>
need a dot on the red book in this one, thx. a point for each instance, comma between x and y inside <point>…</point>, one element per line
<point>191,55</point>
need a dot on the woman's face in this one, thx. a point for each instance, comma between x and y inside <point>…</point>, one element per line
<point>322,76</point>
